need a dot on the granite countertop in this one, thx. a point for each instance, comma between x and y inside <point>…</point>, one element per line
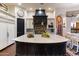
<point>38,39</point>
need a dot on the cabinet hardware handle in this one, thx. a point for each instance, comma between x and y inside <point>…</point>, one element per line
<point>7,34</point>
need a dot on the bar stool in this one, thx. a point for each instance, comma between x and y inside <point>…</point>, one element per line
<point>75,43</point>
<point>69,41</point>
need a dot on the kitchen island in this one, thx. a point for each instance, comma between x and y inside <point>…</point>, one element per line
<point>55,45</point>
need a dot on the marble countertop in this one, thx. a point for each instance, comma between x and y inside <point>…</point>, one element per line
<point>38,39</point>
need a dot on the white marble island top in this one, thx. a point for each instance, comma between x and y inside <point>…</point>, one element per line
<point>39,39</point>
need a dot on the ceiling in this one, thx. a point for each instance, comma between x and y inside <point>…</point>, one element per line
<point>71,8</point>
<point>46,5</point>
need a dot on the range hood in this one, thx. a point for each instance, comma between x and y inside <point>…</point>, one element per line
<point>40,21</point>
<point>40,12</point>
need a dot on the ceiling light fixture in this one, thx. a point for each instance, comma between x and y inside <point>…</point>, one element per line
<point>77,16</point>
<point>40,8</point>
<point>31,9</point>
<point>49,9</point>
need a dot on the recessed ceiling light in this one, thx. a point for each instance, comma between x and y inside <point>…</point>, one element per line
<point>31,9</point>
<point>49,9</point>
<point>40,8</point>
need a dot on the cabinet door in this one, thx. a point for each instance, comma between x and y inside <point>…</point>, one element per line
<point>11,33</point>
<point>3,35</point>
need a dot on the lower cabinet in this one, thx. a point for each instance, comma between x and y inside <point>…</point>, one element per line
<point>3,35</point>
<point>7,34</point>
<point>11,33</point>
